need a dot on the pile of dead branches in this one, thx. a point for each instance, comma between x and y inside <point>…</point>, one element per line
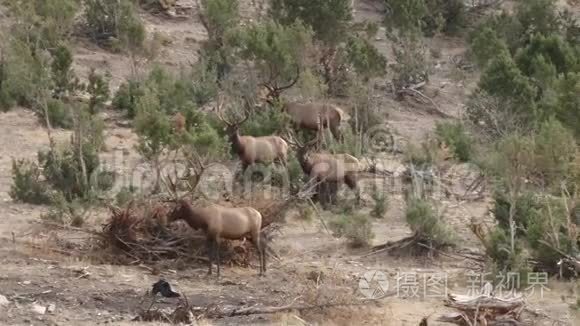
<point>484,310</point>
<point>135,232</point>
<point>135,235</point>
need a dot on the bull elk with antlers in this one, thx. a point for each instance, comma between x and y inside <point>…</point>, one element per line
<point>251,150</point>
<point>312,116</point>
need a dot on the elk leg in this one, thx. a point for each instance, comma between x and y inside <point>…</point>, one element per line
<point>217,251</point>
<point>210,249</point>
<point>263,247</point>
<point>350,180</point>
<point>258,244</point>
<point>335,132</point>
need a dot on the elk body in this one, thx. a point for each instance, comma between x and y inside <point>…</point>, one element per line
<point>251,150</point>
<point>219,222</point>
<point>331,170</point>
<point>316,116</point>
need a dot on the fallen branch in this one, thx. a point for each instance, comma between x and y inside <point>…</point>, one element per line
<point>467,303</point>
<point>414,92</point>
<point>400,244</point>
<point>484,310</point>
<point>221,312</point>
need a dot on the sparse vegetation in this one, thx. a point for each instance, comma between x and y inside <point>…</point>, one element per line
<point>427,223</point>
<point>504,76</point>
<point>381,203</point>
<point>115,24</point>
<point>531,72</point>
<point>219,18</point>
<point>356,228</point>
<point>126,97</point>
<point>454,135</point>
<point>27,186</point>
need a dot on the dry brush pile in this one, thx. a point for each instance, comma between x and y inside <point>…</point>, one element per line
<point>134,234</point>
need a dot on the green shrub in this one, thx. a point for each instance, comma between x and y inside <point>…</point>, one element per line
<point>498,249</point>
<point>124,196</point>
<point>424,155</point>
<point>62,171</point>
<point>350,143</point>
<point>411,66</point>
<point>548,229</point>
<point>204,83</point>
<point>366,60</point>
<point>64,80</point>
<point>25,76</point>
<point>98,89</point>
<point>502,78</point>
<point>43,24</point>
<point>114,23</point>
<point>568,102</point>
<point>220,18</point>
<point>59,114</point>
<point>265,122</point>
<point>277,51</point>
<point>65,212</point>
<point>207,141</point>
<point>536,77</point>
<point>448,16</point>
<point>365,113</point>
<point>555,153</point>
<point>426,223</point>
<point>454,135</point>
<point>356,228</point>
<point>485,45</point>
<point>27,184</point>
<point>306,212</point>
<point>525,205</point>
<point>381,203</point>
<point>329,19</point>
<point>126,97</point>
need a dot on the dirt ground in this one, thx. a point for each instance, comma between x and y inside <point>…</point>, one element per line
<point>43,286</point>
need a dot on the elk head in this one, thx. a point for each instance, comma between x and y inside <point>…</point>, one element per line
<point>231,127</point>
<point>272,95</point>
<point>302,150</point>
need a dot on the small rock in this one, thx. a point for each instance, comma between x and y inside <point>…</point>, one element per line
<point>38,309</point>
<point>3,301</point>
<point>51,308</point>
<point>26,282</point>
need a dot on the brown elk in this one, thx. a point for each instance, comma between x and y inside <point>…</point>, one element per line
<point>328,169</point>
<point>251,150</point>
<point>313,116</point>
<point>316,116</point>
<point>219,222</point>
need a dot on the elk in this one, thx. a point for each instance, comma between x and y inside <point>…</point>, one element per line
<point>327,169</point>
<point>313,116</point>
<point>316,116</point>
<point>219,222</point>
<point>251,150</point>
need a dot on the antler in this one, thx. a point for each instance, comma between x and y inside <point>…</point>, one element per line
<point>220,116</point>
<point>275,91</point>
<point>291,139</point>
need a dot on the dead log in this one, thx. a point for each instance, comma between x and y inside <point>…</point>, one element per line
<point>468,303</point>
<point>484,310</point>
<point>216,312</point>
